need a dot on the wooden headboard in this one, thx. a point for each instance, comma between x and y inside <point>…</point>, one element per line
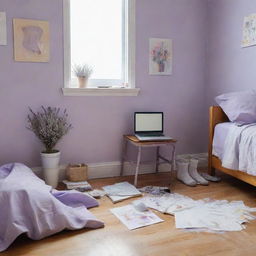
<point>216,116</point>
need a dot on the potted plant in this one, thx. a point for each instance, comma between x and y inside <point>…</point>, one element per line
<point>82,72</point>
<point>49,125</point>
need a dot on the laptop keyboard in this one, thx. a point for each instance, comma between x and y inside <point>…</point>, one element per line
<point>152,138</point>
<point>150,135</point>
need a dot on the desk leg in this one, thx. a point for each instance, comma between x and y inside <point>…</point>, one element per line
<point>173,157</point>
<point>123,156</point>
<point>157,159</point>
<point>137,167</point>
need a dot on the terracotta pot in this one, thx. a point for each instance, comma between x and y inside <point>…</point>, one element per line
<point>82,81</point>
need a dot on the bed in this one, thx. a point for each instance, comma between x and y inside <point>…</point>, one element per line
<point>216,117</point>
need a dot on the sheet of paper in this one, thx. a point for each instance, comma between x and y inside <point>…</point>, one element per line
<point>121,191</point>
<point>134,219</point>
<point>203,217</point>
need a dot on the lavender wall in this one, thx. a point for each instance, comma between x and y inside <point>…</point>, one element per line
<point>99,122</point>
<point>230,67</point>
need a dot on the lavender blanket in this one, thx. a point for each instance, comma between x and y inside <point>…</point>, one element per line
<point>28,205</point>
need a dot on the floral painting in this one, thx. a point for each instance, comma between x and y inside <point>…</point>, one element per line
<point>31,40</point>
<point>160,56</point>
<point>249,31</point>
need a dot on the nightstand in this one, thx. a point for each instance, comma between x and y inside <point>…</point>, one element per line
<point>133,140</point>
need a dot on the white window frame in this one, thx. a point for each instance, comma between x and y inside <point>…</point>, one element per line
<point>130,90</point>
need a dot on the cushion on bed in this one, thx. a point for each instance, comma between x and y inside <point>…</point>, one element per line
<point>240,107</point>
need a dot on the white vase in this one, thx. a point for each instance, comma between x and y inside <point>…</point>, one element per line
<point>50,164</point>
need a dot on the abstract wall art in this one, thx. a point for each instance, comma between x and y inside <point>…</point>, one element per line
<point>249,31</point>
<point>31,40</point>
<point>3,33</point>
<point>160,56</point>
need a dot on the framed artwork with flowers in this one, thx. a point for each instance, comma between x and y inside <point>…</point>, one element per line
<point>249,31</point>
<point>160,56</point>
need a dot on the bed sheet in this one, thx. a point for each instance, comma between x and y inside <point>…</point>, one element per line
<point>220,133</point>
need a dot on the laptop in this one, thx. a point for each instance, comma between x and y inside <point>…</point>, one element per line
<point>148,126</point>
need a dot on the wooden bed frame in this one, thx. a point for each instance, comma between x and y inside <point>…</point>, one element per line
<point>218,116</point>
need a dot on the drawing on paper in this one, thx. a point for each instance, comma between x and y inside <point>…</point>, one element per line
<point>160,56</point>
<point>32,36</point>
<point>31,40</point>
<point>3,33</point>
<point>249,31</point>
<point>134,219</point>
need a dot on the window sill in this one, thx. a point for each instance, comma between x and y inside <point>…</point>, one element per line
<point>100,91</point>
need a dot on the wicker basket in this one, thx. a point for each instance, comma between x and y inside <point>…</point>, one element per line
<point>77,172</point>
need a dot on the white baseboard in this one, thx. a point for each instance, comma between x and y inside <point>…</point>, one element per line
<point>109,169</point>
<point>202,158</point>
<point>112,169</point>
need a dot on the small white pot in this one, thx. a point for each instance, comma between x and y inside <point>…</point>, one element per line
<point>82,81</point>
<point>50,164</point>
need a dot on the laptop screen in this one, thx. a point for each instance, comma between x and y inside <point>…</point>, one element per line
<point>148,122</point>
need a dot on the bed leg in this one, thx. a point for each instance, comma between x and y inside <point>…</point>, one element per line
<point>211,171</point>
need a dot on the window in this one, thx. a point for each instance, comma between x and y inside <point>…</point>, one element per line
<point>101,34</point>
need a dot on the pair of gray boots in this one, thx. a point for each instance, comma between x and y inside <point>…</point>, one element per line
<point>188,174</point>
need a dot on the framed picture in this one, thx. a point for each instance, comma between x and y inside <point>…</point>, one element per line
<point>249,31</point>
<point>160,56</point>
<point>3,33</point>
<point>31,40</point>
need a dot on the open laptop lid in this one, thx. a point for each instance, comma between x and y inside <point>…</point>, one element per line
<point>148,122</point>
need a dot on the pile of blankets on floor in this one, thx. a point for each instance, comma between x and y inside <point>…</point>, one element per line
<point>30,206</point>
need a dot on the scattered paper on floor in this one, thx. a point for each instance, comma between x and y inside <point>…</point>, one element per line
<point>80,185</point>
<point>133,218</point>
<point>207,215</point>
<point>168,203</point>
<point>121,191</point>
<point>215,216</point>
<point>155,190</point>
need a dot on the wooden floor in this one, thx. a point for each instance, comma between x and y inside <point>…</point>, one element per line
<point>161,239</point>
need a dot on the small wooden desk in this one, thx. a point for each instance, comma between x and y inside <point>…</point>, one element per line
<point>141,144</point>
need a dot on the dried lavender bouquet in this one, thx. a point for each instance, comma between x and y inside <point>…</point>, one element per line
<point>49,125</point>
